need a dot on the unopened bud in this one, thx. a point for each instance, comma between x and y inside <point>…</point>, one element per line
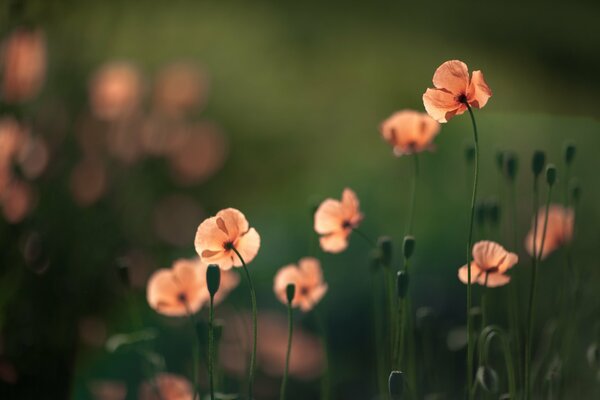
<point>402,284</point>
<point>570,151</point>
<point>213,279</point>
<point>487,379</point>
<point>290,292</point>
<point>511,165</point>
<point>408,246</point>
<point>551,174</point>
<point>396,385</point>
<point>575,190</point>
<point>537,162</point>
<point>385,248</point>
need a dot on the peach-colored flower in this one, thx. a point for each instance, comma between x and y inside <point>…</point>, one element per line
<point>17,201</point>
<point>177,291</point>
<point>88,181</point>
<point>409,131</point>
<point>335,220</point>
<point>217,237</point>
<point>166,387</point>
<point>23,65</point>
<point>489,265</point>
<point>558,231</point>
<point>115,91</point>
<point>454,90</point>
<point>108,390</point>
<point>307,276</point>
<point>179,88</point>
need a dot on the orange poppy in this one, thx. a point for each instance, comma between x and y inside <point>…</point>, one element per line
<point>409,131</point>
<point>335,220</point>
<point>217,237</point>
<point>307,276</point>
<point>177,291</point>
<point>559,229</point>
<point>166,386</point>
<point>454,90</point>
<point>489,265</point>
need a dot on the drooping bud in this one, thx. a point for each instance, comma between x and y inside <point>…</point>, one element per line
<point>408,246</point>
<point>487,379</point>
<point>396,385</point>
<point>385,245</point>
<point>290,292</point>
<point>537,163</point>
<point>569,152</point>
<point>511,165</point>
<point>213,279</point>
<point>551,174</point>
<point>402,284</point>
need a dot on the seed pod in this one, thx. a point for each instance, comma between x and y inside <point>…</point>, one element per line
<point>290,292</point>
<point>385,245</point>
<point>569,152</point>
<point>213,279</point>
<point>551,174</point>
<point>402,284</point>
<point>537,163</point>
<point>408,246</point>
<point>487,379</point>
<point>396,385</point>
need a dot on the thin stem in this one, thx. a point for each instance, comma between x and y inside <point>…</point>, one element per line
<point>363,235</point>
<point>288,352</point>
<point>254,325</point>
<point>325,380</point>
<point>211,350</point>
<point>469,244</point>
<point>512,290</point>
<point>195,351</point>
<point>484,302</point>
<point>403,322</point>
<point>413,196</point>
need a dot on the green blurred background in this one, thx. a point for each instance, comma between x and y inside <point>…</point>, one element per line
<point>299,89</point>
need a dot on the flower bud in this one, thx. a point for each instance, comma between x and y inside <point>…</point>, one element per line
<point>402,284</point>
<point>488,379</point>
<point>396,385</point>
<point>511,165</point>
<point>551,174</point>
<point>537,163</point>
<point>575,190</point>
<point>408,246</point>
<point>570,151</point>
<point>290,292</point>
<point>213,279</point>
<point>385,248</point>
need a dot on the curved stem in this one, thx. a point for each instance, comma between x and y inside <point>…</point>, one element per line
<point>288,352</point>
<point>469,244</point>
<point>254,325</point>
<point>211,350</point>
<point>367,239</point>
<point>484,343</point>
<point>413,196</point>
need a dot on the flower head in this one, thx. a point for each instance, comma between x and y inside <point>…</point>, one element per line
<point>454,90</point>
<point>177,291</point>
<point>220,236</point>
<point>335,220</point>
<point>409,131</point>
<point>489,265</point>
<point>229,281</point>
<point>559,229</point>
<point>167,387</point>
<point>307,277</point>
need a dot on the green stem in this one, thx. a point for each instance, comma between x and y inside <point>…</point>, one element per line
<point>469,244</point>
<point>288,352</point>
<point>367,239</point>
<point>514,317</point>
<point>325,380</point>
<point>211,350</point>
<point>484,343</point>
<point>195,351</point>
<point>484,302</point>
<point>413,196</point>
<point>254,325</point>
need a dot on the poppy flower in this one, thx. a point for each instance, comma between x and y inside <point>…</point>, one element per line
<point>307,276</point>
<point>217,236</point>
<point>489,265</point>
<point>559,229</point>
<point>166,387</point>
<point>177,291</point>
<point>454,90</point>
<point>115,91</point>
<point>409,131</point>
<point>335,220</point>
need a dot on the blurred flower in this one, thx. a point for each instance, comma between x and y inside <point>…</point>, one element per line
<point>92,331</point>
<point>108,390</point>
<point>139,266</point>
<point>12,136</point>
<point>23,64</point>
<point>409,131</point>
<point>454,90</point>
<point>217,237</point>
<point>123,140</point>
<point>33,157</point>
<point>179,88</point>
<point>177,291</point>
<point>88,181</point>
<point>17,201</point>
<point>160,136</point>
<point>335,220</point>
<point>198,154</point>
<point>175,218</point>
<point>166,386</point>
<point>489,265</point>
<point>307,277</point>
<point>307,357</point>
<point>559,230</point>
<point>115,91</point>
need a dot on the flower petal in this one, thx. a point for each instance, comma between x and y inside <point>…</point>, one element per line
<point>247,245</point>
<point>334,242</point>
<point>329,217</point>
<point>442,105</point>
<point>479,92</point>
<point>463,273</point>
<point>453,76</point>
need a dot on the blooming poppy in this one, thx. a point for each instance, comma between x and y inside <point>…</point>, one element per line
<point>177,291</point>
<point>454,90</point>
<point>307,277</point>
<point>335,220</point>
<point>166,386</point>
<point>218,236</point>
<point>409,131</point>
<point>489,265</point>
<point>559,229</point>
